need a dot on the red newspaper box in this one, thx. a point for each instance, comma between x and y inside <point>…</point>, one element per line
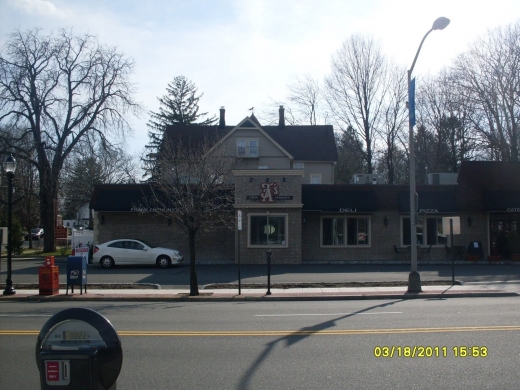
<point>49,277</point>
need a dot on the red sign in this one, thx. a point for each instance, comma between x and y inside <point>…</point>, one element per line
<point>52,369</point>
<point>60,232</point>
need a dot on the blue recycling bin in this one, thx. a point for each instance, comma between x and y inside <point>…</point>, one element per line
<point>77,273</point>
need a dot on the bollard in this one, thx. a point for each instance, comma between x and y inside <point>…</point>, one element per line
<point>268,253</point>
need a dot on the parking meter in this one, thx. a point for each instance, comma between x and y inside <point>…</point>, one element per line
<point>78,349</point>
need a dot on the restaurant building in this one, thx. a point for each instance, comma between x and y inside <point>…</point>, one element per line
<point>285,193</point>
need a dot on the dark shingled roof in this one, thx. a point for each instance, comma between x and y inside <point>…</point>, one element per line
<point>305,143</point>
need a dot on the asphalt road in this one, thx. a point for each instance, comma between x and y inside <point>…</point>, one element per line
<point>290,345</point>
<point>26,271</point>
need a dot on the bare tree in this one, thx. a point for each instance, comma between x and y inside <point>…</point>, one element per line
<point>194,190</point>
<point>445,115</point>
<point>393,127</point>
<point>356,90</point>
<point>87,167</point>
<point>305,94</point>
<point>59,89</point>
<point>489,77</point>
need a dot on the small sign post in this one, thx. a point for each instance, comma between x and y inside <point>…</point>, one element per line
<point>451,225</point>
<point>239,225</point>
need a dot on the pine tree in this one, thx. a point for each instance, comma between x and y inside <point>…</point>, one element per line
<point>179,106</point>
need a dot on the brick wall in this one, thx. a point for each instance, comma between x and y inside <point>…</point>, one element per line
<point>214,246</point>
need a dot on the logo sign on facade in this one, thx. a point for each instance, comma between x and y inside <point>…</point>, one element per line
<point>513,210</point>
<point>428,211</point>
<point>239,219</point>
<point>268,192</point>
<point>347,210</point>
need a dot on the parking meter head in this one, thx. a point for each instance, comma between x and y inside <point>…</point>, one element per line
<point>76,336</point>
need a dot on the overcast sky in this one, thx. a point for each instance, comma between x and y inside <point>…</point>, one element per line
<point>243,53</point>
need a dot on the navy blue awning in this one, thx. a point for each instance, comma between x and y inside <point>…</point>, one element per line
<point>502,201</point>
<point>430,202</point>
<point>338,200</point>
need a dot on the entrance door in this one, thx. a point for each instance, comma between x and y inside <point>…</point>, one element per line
<point>499,227</point>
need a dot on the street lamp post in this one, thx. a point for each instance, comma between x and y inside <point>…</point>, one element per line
<point>10,167</point>
<point>414,279</point>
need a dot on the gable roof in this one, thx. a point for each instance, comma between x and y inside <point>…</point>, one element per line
<point>303,143</point>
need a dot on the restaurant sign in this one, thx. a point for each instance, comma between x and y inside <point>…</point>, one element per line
<point>269,193</point>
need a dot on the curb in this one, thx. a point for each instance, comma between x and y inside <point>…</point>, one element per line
<point>88,297</point>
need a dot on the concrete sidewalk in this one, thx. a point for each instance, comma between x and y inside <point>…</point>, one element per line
<point>277,294</point>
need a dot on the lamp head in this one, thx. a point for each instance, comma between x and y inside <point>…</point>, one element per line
<point>10,165</point>
<point>440,23</point>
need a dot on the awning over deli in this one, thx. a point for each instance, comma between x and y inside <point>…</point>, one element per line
<point>338,200</point>
<point>502,201</point>
<point>430,202</point>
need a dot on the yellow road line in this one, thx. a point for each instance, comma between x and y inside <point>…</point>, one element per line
<point>284,333</point>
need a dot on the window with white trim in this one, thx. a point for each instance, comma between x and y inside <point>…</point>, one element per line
<point>267,230</point>
<point>315,178</point>
<point>429,231</point>
<point>345,231</point>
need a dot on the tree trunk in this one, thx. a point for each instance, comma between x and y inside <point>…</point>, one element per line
<point>48,195</point>
<point>194,285</point>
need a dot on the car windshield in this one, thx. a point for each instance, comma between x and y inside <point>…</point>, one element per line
<point>35,230</point>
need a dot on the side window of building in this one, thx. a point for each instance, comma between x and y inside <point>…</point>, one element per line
<point>315,178</point>
<point>345,231</point>
<point>241,148</point>
<point>429,231</point>
<point>298,165</point>
<point>267,230</point>
<point>253,148</point>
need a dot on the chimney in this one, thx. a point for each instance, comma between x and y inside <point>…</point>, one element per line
<point>281,117</point>
<point>222,122</point>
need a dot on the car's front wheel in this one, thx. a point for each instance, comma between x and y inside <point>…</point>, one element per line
<point>106,262</point>
<point>164,261</point>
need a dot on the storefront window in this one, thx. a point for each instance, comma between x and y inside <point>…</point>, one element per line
<point>267,230</point>
<point>429,231</point>
<point>333,231</point>
<point>357,231</point>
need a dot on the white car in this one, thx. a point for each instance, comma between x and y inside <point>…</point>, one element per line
<point>129,251</point>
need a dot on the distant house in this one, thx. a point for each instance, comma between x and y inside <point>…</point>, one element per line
<point>82,219</point>
<point>285,191</point>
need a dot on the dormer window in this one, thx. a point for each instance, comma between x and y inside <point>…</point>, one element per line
<point>247,148</point>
